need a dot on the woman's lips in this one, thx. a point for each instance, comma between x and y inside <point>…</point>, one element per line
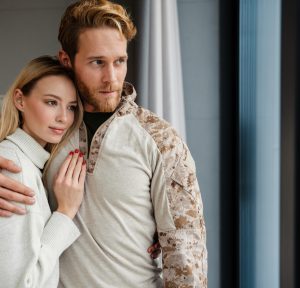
<point>58,131</point>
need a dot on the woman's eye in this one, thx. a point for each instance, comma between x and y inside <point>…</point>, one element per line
<point>51,102</point>
<point>72,107</point>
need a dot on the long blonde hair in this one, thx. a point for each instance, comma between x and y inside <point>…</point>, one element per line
<point>35,70</point>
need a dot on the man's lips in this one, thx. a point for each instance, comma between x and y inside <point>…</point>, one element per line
<point>108,93</point>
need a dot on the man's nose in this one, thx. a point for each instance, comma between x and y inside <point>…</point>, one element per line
<point>109,74</point>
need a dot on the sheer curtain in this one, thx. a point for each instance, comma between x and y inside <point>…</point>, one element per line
<point>159,79</point>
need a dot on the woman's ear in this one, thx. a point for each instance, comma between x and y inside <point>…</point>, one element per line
<point>18,100</point>
<point>64,59</point>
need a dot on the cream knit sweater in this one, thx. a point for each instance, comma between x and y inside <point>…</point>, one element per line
<point>30,245</point>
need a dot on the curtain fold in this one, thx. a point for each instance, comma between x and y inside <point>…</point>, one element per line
<point>159,79</point>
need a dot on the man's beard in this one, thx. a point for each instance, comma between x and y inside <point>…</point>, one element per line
<point>98,102</point>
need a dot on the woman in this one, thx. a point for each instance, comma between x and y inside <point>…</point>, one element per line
<point>39,113</point>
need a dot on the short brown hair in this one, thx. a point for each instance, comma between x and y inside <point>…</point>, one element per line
<point>92,14</point>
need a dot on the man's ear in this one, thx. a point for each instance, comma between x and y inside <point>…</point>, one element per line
<point>64,58</point>
<point>18,100</point>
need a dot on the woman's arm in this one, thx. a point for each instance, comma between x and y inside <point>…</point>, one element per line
<point>29,249</point>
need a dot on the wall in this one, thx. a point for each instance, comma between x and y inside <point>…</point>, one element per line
<point>27,29</point>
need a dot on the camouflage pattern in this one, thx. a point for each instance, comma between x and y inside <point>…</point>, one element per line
<point>184,249</point>
<point>128,95</point>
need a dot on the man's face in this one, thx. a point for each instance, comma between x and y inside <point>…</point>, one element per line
<point>100,67</point>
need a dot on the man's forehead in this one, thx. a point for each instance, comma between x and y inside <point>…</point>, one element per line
<point>101,42</point>
<point>93,34</point>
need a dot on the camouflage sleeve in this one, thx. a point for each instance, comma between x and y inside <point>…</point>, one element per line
<point>184,248</point>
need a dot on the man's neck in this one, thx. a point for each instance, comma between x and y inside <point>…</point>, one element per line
<point>93,120</point>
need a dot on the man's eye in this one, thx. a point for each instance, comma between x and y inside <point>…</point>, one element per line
<point>120,61</point>
<point>97,62</point>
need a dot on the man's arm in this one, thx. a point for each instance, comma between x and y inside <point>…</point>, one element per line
<point>11,190</point>
<point>180,222</point>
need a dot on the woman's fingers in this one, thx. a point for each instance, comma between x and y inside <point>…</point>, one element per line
<point>153,247</point>
<point>82,174</point>
<point>71,169</point>
<point>156,253</point>
<point>72,165</point>
<point>77,168</point>
<point>69,189</point>
<point>64,167</point>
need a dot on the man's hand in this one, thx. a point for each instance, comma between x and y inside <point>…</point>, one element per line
<point>11,190</point>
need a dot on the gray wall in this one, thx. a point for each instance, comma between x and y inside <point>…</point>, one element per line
<point>199,28</point>
<point>27,29</point>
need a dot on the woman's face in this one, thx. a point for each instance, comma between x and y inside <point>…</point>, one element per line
<point>48,111</point>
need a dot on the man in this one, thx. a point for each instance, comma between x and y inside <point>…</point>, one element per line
<point>141,177</point>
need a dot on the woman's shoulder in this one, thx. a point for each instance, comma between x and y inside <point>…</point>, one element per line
<point>29,175</point>
<point>10,151</point>
<point>13,152</point>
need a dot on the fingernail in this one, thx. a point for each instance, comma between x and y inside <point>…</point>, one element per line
<point>76,150</point>
<point>80,154</point>
<point>31,200</point>
<point>22,211</point>
<point>71,153</point>
<point>31,193</point>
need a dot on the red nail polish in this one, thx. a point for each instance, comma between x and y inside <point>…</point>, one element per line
<point>80,154</point>
<point>71,153</point>
<point>76,150</point>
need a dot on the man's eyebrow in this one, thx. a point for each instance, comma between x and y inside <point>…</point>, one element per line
<point>103,58</point>
<point>95,57</point>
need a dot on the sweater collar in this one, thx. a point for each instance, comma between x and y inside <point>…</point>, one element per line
<point>37,154</point>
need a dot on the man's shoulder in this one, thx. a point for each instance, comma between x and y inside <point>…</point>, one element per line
<point>153,123</point>
<point>165,136</point>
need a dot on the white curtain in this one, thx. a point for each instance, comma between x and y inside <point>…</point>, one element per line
<point>160,86</point>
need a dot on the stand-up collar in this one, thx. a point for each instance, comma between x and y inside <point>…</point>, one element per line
<point>128,93</point>
<point>30,147</point>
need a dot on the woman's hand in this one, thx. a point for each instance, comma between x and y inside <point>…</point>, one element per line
<point>154,250</point>
<point>69,184</point>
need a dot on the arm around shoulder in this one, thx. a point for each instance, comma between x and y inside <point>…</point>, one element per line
<point>11,186</point>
